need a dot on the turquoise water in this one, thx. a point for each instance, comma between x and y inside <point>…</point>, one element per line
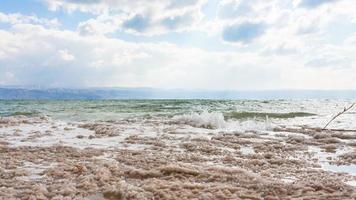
<point>81,110</point>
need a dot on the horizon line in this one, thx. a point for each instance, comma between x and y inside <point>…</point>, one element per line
<point>30,87</point>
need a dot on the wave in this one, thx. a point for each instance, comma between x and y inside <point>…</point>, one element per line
<point>210,120</point>
<point>264,115</point>
<point>235,120</point>
<point>216,120</point>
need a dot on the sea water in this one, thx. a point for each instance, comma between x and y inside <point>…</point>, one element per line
<point>218,114</point>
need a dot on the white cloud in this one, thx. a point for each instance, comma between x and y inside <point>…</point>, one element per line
<point>138,17</point>
<point>286,19</point>
<point>314,3</point>
<point>140,23</point>
<point>288,47</point>
<point>244,32</point>
<point>17,18</point>
<point>103,61</point>
<point>65,55</point>
<point>351,40</point>
<point>138,6</point>
<point>102,24</point>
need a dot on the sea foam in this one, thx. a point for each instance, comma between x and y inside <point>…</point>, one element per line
<point>216,120</point>
<point>205,119</point>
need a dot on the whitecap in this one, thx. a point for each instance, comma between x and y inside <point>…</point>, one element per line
<point>205,119</point>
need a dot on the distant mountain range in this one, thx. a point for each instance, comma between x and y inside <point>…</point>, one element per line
<point>151,93</point>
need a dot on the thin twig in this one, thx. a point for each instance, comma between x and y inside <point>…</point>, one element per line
<point>340,113</point>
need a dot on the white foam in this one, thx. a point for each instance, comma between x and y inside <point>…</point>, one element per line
<point>203,120</point>
<point>215,120</point>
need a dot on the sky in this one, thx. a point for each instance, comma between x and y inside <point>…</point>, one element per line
<point>185,44</point>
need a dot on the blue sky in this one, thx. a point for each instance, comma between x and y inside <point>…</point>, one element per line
<point>189,44</point>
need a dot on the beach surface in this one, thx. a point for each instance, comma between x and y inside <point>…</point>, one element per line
<point>184,156</point>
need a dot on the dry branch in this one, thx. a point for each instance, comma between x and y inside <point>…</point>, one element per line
<point>340,113</point>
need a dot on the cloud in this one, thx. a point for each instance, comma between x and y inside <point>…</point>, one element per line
<point>35,55</point>
<point>351,40</point>
<point>177,22</point>
<point>281,15</point>
<point>101,25</point>
<point>138,17</point>
<point>99,6</point>
<point>6,77</point>
<point>329,61</point>
<point>234,8</point>
<point>243,33</point>
<point>137,23</point>
<point>17,18</point>
<point>253,10</point>
<point>182,3</point>
<point>65,55</point>
<point>66,59</point>
<point>308,25</point>
<point>314,3</point>
<point>284,46</point>
<point>332,57</point>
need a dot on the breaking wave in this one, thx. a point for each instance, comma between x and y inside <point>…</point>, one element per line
<point>236,121</point>
<point>216,120</point>
<point>205,119</point>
